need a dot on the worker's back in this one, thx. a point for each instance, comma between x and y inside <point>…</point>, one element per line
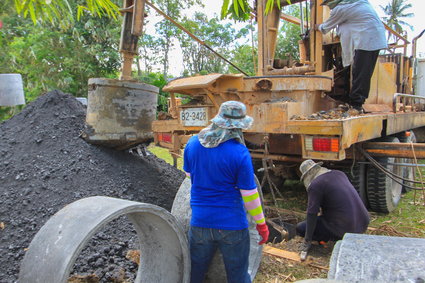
<point>217,174</point>
<point>342,208</point>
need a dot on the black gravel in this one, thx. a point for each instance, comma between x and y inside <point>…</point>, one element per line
<point>45,164</point>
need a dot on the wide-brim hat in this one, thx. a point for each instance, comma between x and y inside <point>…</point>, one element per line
<point>232,115</point>
<point>306,167</point>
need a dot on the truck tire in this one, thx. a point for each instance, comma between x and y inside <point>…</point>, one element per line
<point>408,173</point>
<point>383,192</point>
<point>357,176</point>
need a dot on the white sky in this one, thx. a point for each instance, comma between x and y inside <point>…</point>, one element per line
<point>213,7</point>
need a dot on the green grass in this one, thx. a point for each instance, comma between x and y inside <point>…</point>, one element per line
<point>408,219</point>
<point>164,154</point>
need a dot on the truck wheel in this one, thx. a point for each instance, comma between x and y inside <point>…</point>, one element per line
<point>408,173</point>
<point>382,191</point>
<point>357,177</point>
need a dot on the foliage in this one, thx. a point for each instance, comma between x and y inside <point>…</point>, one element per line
<point>243,57</point>
<point>167,31</point>
<point>394,11</point>
<point>240,10</point>
<point>220,37</point>
<point>50,58</point>
<point>63,12</point>
<point>289,35</point>
<point>159,81</point>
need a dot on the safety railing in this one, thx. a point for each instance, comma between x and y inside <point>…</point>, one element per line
<point>408,102</point>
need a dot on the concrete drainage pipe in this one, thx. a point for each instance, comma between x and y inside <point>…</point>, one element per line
<point>54,249</point>
<point>216,273</point>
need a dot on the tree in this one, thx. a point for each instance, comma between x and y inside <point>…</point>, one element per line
<point>394,11</point>
<point>51,58</point>
<point>245,58</point>
<point>167,30</point>
<point>220,37</point>
<point>61,10</point>
<point>289,35</point>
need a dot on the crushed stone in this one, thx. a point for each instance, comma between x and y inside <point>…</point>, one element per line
<point>45,165</point>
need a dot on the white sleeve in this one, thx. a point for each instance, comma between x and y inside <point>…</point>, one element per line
<point>336,18</point>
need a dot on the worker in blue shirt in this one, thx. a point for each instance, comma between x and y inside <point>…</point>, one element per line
<point>222,177</point>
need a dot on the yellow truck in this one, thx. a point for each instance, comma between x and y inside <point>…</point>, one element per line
<point>295,106</point>
<point>296,114</point>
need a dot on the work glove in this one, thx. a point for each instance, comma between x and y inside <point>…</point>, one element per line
<point>263,230</point>
<point>304,248</point>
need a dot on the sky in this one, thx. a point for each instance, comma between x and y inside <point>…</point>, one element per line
<point>212,7</point>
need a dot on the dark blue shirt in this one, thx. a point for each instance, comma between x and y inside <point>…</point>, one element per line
<point>217,174</point>
<point>342,208</point>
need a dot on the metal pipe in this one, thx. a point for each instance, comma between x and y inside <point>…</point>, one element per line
<point>403,96</point>
<point>277,157</point>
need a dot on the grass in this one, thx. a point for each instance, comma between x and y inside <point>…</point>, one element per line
<point>164,154</point>
<point>408,220</point>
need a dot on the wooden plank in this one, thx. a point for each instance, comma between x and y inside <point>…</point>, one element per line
<point>290,255</point>
<point>282,253</point>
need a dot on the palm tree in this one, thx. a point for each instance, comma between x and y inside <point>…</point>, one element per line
<point>63,10</point>
<point>394,11</point>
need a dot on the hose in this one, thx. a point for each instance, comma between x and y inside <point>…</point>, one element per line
<point>390,174</point>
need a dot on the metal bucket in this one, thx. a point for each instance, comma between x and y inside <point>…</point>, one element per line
<point>11,90</point>
<point>120,113</point>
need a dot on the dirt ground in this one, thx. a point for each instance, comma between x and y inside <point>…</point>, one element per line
<point>276,269</point>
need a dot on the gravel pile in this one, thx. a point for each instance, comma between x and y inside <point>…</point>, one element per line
<point>45,164</point>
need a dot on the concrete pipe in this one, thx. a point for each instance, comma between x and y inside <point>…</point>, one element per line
<point>54,249</point>
<point>120,113</point>
<point>216,273</point>
<point>11,90</point>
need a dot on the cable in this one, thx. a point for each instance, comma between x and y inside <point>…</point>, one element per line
<point>390,174</point>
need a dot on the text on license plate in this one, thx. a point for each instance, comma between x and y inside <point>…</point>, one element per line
<point>194,116</point>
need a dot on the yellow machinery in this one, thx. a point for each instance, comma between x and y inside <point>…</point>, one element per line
<point>284,101</point>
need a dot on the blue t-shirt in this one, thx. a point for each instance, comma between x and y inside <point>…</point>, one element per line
<point>217,174</point>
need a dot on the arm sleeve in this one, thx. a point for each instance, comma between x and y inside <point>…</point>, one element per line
<point>252,203</point>
<point>336,18</point>
<point>311,225</point>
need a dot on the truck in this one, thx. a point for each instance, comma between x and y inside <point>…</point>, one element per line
<point>296,113</point>
<point>296,106</point>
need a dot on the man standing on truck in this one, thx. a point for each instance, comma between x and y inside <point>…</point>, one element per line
<point>362,35</point>
<point>222,178</point>
<point>342,210</point>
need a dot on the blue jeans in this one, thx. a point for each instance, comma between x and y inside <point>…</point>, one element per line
<point>233,245</point>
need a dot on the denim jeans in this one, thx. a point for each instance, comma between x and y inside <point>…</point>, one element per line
<point>233,245</point>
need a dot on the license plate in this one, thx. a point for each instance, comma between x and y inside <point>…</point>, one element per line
<point>194,117</point>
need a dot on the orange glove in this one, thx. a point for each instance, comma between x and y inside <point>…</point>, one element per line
<point>263,230</point>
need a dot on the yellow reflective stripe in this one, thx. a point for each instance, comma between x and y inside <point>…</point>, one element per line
<point>250,197</point>
<point>262,220</point>
<point>256,210</point>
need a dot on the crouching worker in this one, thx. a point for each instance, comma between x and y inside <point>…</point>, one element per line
<point>222,178</point>
<point>342,210</point>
